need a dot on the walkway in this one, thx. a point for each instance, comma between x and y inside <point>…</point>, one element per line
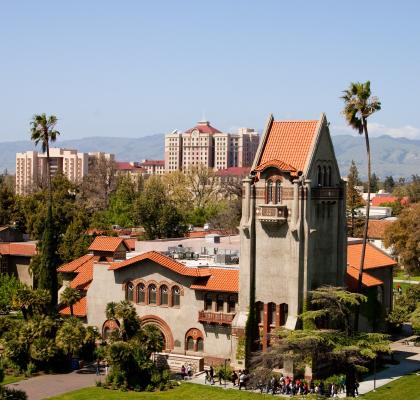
<point>405,281</point>
<point>44,386</point>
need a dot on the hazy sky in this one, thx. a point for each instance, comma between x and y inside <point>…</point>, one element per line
<point>132,68</point>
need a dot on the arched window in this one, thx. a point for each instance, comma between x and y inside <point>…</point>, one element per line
<point>269,191</point>
<point>324,176</point>
<point>208,302</point>
<point>232,304</point>
<point>271,314</point>
<point>176,295</point>
<point>220,303</point>
<point>319,176</point>
<point>200,344</point>
<point>329,176</point>
<point>190,343</point>
<point>141,293</point>
<point>278,191</point>
<point>259,308</point>
<point>152,294</point>
<point>129,291</point>
<point>164,295</point>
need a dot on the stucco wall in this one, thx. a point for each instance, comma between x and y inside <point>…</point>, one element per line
<point>108,286</point>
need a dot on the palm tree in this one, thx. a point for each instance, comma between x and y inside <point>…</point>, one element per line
<point>42,131</point>
<point>359,105</point>
<point>70,297</point>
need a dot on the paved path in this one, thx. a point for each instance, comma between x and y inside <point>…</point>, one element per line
<point>405,281</point>
<point>409,358</point>
<point>44,386</point>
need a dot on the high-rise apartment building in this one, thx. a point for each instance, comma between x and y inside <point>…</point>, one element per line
<point>206,145</point>
<point>31,167</point>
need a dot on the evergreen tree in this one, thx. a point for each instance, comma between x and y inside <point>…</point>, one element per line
<point>48,261</point>
<point>374,183</point>
<point>7,204</point>
<point>389,184</point>
<point>354,199</point>
<point>120,210</point>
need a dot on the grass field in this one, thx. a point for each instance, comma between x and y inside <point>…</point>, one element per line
<point>405,388</point>
<point>12,379</point>
<point>402,276</point>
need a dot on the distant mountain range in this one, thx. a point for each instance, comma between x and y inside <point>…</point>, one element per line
<point>390,156</point>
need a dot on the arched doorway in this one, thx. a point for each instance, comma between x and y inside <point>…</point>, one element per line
<point>163,327</point>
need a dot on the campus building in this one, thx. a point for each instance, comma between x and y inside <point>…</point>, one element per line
<point>205,145</point>
<point>292,240</point>
<point>31,167</point>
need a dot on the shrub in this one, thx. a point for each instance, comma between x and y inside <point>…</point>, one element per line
<point>225,374</point>
<point>12,394</point>
<point>30,369</point>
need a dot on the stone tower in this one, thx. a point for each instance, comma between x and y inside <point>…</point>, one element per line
<point>293,231</point>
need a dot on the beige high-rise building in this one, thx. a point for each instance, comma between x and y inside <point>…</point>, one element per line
<point>31,167</point>
<point>206,145</point>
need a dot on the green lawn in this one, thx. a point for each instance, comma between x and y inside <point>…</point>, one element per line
<point>405,388</point>
<point>12,379</point>
<point>402,276</point>
<point>186,391</point>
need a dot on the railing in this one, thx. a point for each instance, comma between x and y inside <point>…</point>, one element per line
<point>209,317</point>
<point>272,213</point>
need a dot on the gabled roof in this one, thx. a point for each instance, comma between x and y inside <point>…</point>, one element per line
<point>107,243</point>
<point>84,274</point>
<point>203,127</point>
<point>72,266</point>
<point>221,280</point>
<point>380,199</point>
<point>374,257</point>
<point>79,309</point>
<point>25,249</point>
<point>164,261</point>
<point>290,142</point>
<point>352,278</point>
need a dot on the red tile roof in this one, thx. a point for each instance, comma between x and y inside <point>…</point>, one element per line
<point>352,278</point>
<point>127,166</point>
<point>147,163</point>
<point>221,280</point>
<point>163,261</point>
<point>378,200</point>
<point>374,258</point>
<point>75,264</point>
<point>203,127</point>
<point>376,228</point>
<point>131,243</point>
<point>282,166</point>
<point>79,309</point>
<point>84,274</point>
<point>25,249</point>
<point>289,142</point>
<point>107,243</point>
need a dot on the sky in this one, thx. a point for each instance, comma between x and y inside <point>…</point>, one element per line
<point>135,68</point>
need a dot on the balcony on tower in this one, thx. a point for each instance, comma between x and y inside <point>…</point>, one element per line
<point>219,318</point>
<point>274,213</point>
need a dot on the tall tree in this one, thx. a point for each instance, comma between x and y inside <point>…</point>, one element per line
<point>354,199</point>
<point>389,184</point>
<point>156,212</point>
<point>359,105</point>
<point>404,237</point>
<point>374,183</point>
<point>7,204</point>
<point>43,132</point>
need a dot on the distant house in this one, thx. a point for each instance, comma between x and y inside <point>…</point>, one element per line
<point>383,198</point>
<point>15,258</point>
<point>376,234</point>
